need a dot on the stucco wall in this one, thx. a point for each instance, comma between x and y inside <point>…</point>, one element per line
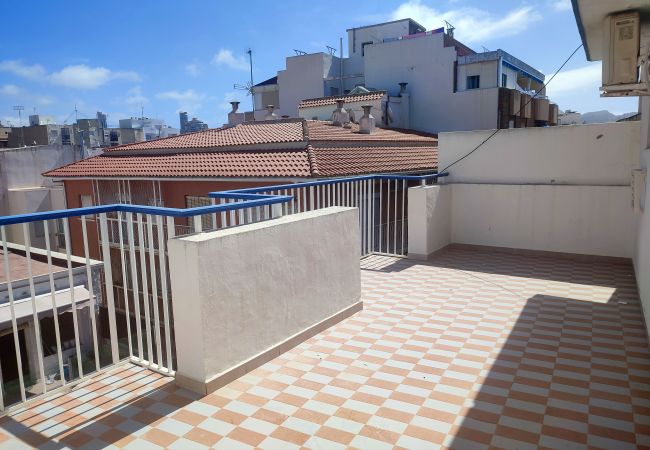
<point>303,78</point>
<point>642,250</point>
<point>429,226</point>
<point>601,154</point>
<point>241,292</point>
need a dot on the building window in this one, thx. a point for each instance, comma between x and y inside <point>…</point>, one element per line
<point>334,91</point>
<point>193,201</point>
<point>86,201</point>
<point>65,136</point>
<point>473,82</point>
<point>114,137</point>
<point>363,47</point>
<point>504,80</point>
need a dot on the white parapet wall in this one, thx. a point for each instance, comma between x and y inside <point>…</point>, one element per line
<point>559,189</point>
<point>247,294</point>
<point>594,154</point>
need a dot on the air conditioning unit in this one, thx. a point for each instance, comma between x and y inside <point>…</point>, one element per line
<point>621,59</point>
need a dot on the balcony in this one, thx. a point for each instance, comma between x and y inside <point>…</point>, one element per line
<point>473,348</point>
<point>495,314</point>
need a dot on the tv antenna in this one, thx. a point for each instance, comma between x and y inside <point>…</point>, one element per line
<point>485,49</point>
<point>20,109</point>
<point>450,29</point>
<point>331,50</point>
<point>299,52</point>
<point>248,86</point>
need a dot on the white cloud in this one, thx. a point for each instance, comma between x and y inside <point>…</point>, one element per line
<point>10,90</point>
<point>472,25</point>
<point>135,97</point>
<point>193,69</point>
<point>34,72</point>
<point>560,5</point>
<point>188,100</point>
<point>85,77</point>
<point>226,58</point>
<point>587,78</point>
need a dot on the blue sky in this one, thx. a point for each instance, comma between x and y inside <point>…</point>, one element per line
<point>170,56</point>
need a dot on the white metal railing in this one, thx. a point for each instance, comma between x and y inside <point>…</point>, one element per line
<point>103,295</point>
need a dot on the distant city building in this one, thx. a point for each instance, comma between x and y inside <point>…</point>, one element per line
<point>102,119</point>
<point>190,126</point>
<point>39,119</point>
<point>152,128</point>
<point>41,135</point>
<point>4,136</point>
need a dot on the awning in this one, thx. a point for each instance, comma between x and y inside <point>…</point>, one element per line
<point>23,308</point>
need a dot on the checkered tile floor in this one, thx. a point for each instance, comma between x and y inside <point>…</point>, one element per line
<point>474,349</point>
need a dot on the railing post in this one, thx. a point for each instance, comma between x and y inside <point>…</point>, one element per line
<point>276,210</point>
<point>108,275</point>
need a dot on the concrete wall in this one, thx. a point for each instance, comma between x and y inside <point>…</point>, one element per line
<point>599,154</point>
<point>303,78</point>
<point>428,68</point>
<point>642,250</point>
<point>244,295</point>
<point>560,189</point>
<point>486,70</point>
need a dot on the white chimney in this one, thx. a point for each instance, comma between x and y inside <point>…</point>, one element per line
<point>340,116</point>
<point>234,117</point>
<point>270,115</point>
<point>367,121</point>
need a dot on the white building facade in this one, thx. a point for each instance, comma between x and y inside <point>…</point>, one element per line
<point>452,88</point>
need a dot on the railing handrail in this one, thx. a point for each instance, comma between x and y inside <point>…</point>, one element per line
<point>251,198</point>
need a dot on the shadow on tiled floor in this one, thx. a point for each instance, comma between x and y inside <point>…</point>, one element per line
<point>473,349</point>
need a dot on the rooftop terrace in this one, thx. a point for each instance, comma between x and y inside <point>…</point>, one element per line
<point>474,348</point>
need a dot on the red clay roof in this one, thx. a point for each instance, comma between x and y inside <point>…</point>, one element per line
<point>314,148</point>
<point>289,163</point>
<point>322,101</point>
<point>243,134</point>
<point>339,161</point>
<point>322,130</point>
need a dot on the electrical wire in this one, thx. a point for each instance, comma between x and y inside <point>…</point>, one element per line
<point>516,114</point>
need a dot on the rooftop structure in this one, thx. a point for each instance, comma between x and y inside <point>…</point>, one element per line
<point>446,81</point>
<point>191,126</point>
<point>283,148</point>
<point>152,128</point>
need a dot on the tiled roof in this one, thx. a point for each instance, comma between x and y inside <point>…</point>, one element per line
<point>313,148</point>
<point>339,161</point>
<point>281,131</point>
<point>322,101</point>
<point>288,163</point>
<point>321,130</point>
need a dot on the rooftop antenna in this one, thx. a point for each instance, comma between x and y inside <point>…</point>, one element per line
<point>299,52</point>
<point>76,119</point>
<point>331,50</point>
<point>20,109</point>
<point>485,49</point>
<point>450,29</point>
<point>141,111</point>
<point>248,87</point>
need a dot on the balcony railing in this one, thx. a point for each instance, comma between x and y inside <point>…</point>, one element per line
<point>121,309</point>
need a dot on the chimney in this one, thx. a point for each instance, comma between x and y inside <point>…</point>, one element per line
<point>234,117</point>
<point>367,121</point>
<point>270,115</point>
<point>340,116</point>
<point>402,88</point>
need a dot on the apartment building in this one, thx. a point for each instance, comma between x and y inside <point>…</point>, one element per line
<point>451,87</point>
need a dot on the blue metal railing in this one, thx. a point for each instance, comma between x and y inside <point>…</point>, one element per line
<point>250,197</point>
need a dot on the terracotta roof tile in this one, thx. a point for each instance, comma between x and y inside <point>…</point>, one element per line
<point>321,130</point>
<point>283,131</point>
<point>338,161</point>
<point>291,163</point>
<point>322,101</point>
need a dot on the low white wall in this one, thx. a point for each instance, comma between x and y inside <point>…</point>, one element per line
<point>603,154</point>
<point>586,220</point>
<point>429,213</point>
<point>245,294</point>
<point>589,220</point>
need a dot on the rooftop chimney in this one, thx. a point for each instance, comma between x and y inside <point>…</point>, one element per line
<point>367,121</point>
<point>270,115</point>
<point>234,117</point>
<point>340,116</point>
